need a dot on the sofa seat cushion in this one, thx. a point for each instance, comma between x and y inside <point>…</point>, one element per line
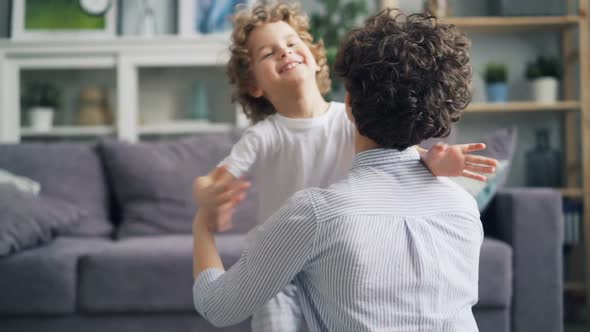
<point>495,274</point>
<point>43,280</point>
<point>146,274</point>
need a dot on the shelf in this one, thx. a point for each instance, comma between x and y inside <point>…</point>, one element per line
<point>69,131</point>
<point>183,127</point>
<point>573,286</point>
<point>204,50</point>
<point>495,24</point>
<point>522,106</point>
<point>572,192</point>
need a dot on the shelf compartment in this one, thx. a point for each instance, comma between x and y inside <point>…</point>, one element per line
<point>191,95</point>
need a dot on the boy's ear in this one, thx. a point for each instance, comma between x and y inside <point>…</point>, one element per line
<point>255,91</point>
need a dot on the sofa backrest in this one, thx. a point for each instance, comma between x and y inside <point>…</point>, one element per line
<point>152,182</point>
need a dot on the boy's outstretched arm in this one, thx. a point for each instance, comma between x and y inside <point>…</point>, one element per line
<point>213,192</point>
<point>218,194</point>
<point>456,160</point>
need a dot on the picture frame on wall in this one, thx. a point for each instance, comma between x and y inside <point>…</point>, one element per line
<point>207,17</point>
<point>63,19</point>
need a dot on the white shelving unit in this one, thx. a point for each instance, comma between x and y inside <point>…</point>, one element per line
<point>126,56</point>
<point>69,131</point>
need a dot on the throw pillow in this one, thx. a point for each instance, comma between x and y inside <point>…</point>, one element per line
<point>28,220</point>
<point>153,182</point>
<point>500,144</point>
<point>483,192</point>
<point>71,172</point>
<point>21,182</point>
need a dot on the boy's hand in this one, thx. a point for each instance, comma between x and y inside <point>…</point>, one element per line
<point>455,160</point>
<point>217,194</point>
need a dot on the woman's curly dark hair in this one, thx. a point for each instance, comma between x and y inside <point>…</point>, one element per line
<point>408,77</point>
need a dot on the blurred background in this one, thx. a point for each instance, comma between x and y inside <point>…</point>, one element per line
<point>153,70</point>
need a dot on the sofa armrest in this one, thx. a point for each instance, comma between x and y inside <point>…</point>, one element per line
<point>531,222</point>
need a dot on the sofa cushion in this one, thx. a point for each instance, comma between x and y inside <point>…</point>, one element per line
<point>500,144</point>
<point>28,220</point>
<point>153,182</point>
<point>146,274</point>
<point>68,171</point>
<point>495,274</point>
<point>20,182</point>
<point>44,280</point>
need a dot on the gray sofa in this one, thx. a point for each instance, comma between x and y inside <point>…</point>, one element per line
<point>105,279</point>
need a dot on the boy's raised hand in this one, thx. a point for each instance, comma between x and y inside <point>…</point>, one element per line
<point>217,194</point>
<point>456,160</point>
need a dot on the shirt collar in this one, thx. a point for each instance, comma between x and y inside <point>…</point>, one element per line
<point>376,157</point>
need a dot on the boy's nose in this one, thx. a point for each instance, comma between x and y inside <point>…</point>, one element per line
<point>285,52</point>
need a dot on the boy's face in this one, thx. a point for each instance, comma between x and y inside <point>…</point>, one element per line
<point>279,59</point>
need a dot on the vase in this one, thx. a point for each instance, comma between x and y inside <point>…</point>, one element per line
<point>543,164</point>
<point>199,104</point>
<point>148,26</point>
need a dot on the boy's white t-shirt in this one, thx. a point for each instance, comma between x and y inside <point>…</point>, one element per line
<point>286,155</point>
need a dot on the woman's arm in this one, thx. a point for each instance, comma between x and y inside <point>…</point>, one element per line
<point>278,251</point>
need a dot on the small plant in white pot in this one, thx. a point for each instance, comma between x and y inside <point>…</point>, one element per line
<point>495,77</point>
<point>544,74</point>
<point>41,100</point>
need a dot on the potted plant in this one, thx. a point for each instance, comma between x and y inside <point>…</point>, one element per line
<point>41,100</point>
<point>543,75</point>
<point>495,77</point>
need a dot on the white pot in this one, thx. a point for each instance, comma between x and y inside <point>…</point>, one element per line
<point>544,89</point>
<point>41,118</point>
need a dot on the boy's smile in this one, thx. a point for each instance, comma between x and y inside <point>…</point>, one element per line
<point>291,64</point>
<point>279,59</point>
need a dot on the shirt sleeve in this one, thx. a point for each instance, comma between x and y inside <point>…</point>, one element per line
<point>278,251</point>
<point>243,154</point>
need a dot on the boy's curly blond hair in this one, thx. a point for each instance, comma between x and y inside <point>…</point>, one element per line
<point>238,67</point>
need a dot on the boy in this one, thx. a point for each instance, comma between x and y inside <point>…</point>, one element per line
<point>366,253</point>
<point>298,140</point>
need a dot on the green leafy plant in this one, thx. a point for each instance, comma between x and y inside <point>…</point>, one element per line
<point>543,67</point>
<point>495,73</point>
<point>41,94</point>
<point>333,21</point>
